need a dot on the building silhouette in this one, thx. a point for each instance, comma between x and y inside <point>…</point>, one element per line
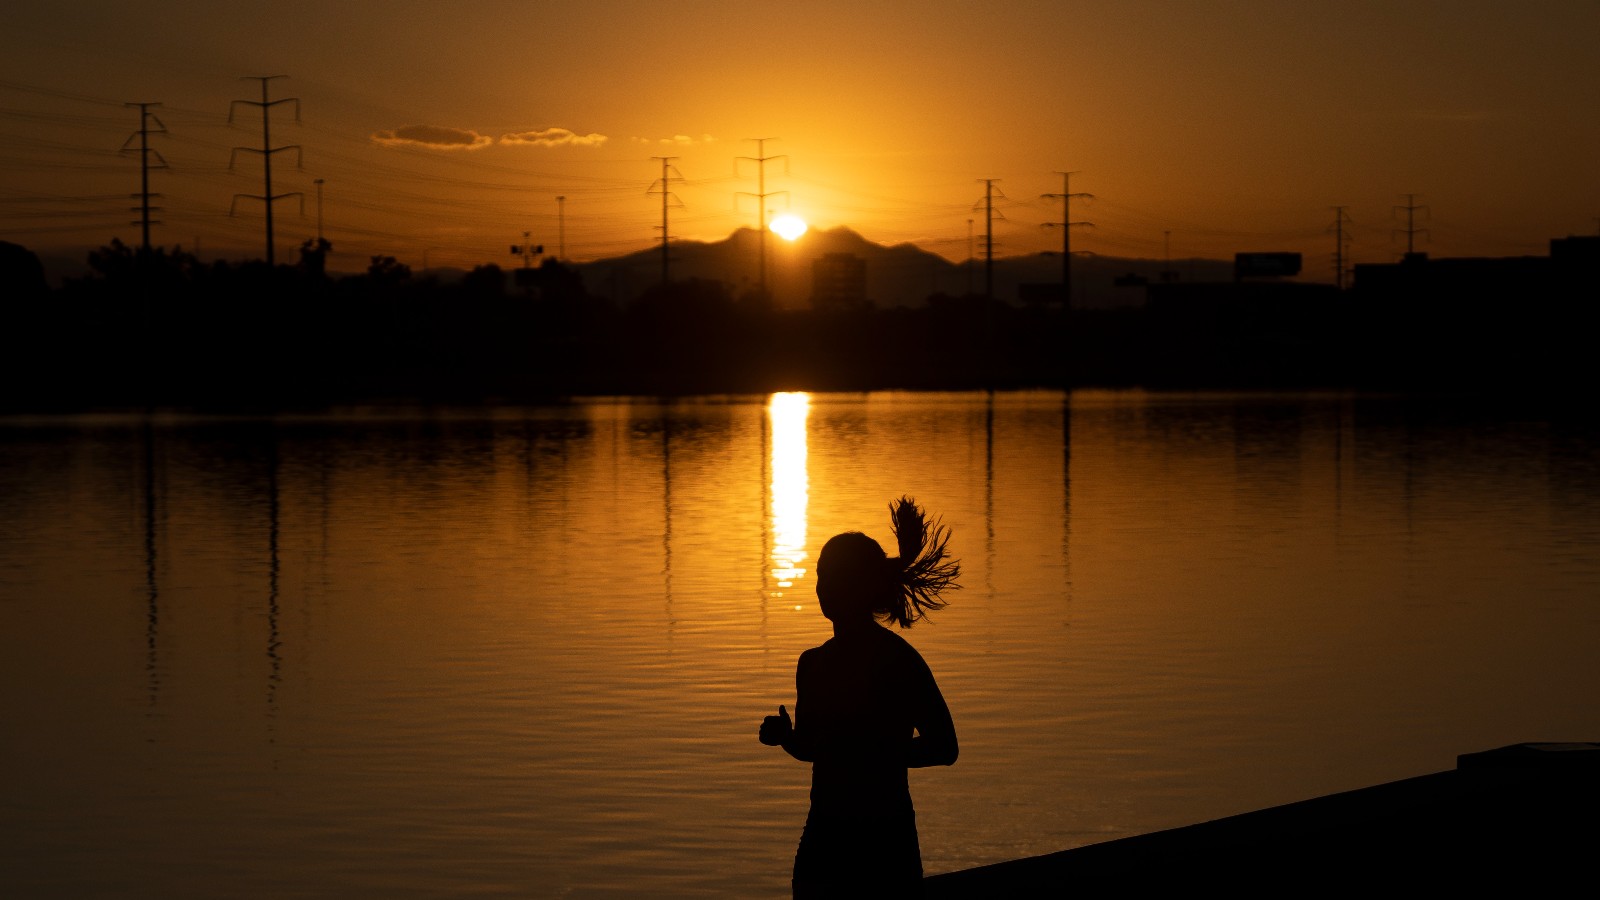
<point>839,282</point>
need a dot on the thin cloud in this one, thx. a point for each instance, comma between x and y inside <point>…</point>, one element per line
<point>554,137</point>
<point>436,136</point>
<point>677,140</point>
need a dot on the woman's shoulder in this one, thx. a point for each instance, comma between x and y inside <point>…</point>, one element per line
<point>818,654</point>
<point>877,641</point>
<point>893,637</point>
<point>903,650</point>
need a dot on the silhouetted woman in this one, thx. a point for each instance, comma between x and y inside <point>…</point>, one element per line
<point>867,708</point>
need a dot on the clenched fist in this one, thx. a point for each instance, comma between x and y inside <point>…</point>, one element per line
<point>776,729</point>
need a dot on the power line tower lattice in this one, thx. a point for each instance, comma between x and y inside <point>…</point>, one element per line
<point>1066,225</point>
<point>266,151</point>
<point>668,199</point>
<point>527,250</point>
<point>761,195</point>
<point>561,228</point>
<point>1411,209</point>
<point>145,152</point>
<point>989,196</point>
<point>1341,240</point>
<point>987,205</point>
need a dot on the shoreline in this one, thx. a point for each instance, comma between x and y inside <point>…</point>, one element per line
<point>1513,818</point>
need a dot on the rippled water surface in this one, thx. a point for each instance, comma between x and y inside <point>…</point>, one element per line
<point>524,652</point>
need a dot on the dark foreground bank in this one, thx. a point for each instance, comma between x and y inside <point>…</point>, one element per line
<point>1514,820</point>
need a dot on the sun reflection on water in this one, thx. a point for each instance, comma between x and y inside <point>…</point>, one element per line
<point>790,490</point>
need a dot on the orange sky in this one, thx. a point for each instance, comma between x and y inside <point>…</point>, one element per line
<point>443,132</point>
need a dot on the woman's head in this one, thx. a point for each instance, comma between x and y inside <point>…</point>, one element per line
<point>856,580</point>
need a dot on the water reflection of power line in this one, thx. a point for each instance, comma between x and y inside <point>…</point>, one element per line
<point>988,491</point>
<point>152,595</point>
<point>274,643</point>
<point>1066,494</point>
<point>1338,459</point>
<point>666,506</point>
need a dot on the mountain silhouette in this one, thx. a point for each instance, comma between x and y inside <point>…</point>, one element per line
<point>897,275</point>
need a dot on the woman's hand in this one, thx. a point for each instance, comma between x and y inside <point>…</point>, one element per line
<point>776,730</point>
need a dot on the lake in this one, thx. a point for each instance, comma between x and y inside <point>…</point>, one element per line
<point>525,651</point>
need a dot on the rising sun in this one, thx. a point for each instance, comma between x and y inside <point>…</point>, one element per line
<point>788,226</point>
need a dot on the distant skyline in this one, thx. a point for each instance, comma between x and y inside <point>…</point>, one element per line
<point>443,133</point>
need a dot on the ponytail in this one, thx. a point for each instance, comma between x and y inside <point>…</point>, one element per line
<point>923,570</point>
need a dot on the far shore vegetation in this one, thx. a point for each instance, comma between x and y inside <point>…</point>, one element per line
<point>164,330</point>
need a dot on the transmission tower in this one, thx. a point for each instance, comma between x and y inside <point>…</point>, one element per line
<point>318,182</point>
<point>527,250</point>
<point>987,204</point>
<point>143,134</point>
<point>525,276</point>
<point>1066,225</point>
<point>1341,239</point>
<point>266,152</point>
<point>667,199</point>
<point>761,195</point>
<point>561,228</point>
<point>971,254</point>
<point>1411,229</point>
<point>989,196</point>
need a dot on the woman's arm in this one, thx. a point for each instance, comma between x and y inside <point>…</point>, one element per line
<point>799,744</point>
<point>934,744</point>
<point>779,731</point>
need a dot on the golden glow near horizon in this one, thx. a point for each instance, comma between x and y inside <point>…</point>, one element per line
<point>790,489</point>
<point>1200,129</point>
<point>788,226</point>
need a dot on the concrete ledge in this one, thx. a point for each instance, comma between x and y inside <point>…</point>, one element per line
<point>1516,818</point>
